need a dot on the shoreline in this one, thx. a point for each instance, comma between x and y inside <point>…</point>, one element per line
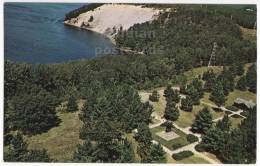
<point>111,38</point>
<point>108,19</point>
<point>89,29</point>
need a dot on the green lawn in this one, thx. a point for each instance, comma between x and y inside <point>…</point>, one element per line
<point>180,140</point>
<point>242,94</point>
<point>235,121</point>
<point>186,119</point>
<point>60,141</point>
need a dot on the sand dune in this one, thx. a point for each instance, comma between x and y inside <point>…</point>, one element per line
<point>108,18</point>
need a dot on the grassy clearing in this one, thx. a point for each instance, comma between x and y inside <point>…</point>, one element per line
<point>186,118</point>
<point>60,141</point>
<point>242,94</point>
<point>193,73</point>
<point>190,160</point>
<point>206,99</point>
<point>180,140</point>
<point>235,121</point>
<point>159,106</point>
<point>248,34</point>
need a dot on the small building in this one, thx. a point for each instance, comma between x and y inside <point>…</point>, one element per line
<point>244,104</point>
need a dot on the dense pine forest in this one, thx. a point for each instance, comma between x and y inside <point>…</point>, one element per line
<point>179,40</point>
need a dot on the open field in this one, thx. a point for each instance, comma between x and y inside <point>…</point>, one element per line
<point>60,141</point>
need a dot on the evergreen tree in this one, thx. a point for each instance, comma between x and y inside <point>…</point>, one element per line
<point>198,85</point>
<point>208,75</point>
<point>224,124</point>
<point>226,78</point>
<point>72,105</point>
<point>203,121</point>
<point>34,113</point>
<point>187,104</point>
<point>168,126</point>
<point>144,135</point>
<point>175,96</point>
<point>171,113</point>
<point>217,95</point>
<point>37,156</point>
<point>210,79</point>
<point>242,83</point>
<point>168,92</point>
<point>154,97</point>
<point>194,94</point>
<point>84,152</point>
<point>251,78</point>
<point>17,150</point>
<point>157,154</point>
<point>237,69</point>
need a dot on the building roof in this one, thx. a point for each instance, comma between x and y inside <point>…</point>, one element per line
<point>249,104</point>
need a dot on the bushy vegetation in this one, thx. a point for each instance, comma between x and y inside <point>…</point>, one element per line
<point>192,138</point>
<point>182,155</point>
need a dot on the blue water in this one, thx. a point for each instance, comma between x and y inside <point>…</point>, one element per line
<point>35,33</point>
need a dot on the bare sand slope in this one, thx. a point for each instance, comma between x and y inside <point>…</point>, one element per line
<point>108,18</point>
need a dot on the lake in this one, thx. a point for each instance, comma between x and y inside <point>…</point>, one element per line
<point>35,33</point>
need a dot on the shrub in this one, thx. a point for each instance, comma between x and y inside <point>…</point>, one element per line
<point>176,146</point>
<point>200,148</point>
<point>168,126</point>
<point>232,108</point>
<point>182,155</point>
<point>91,18</point>
<point>236,116</point>
<point>192,138</point>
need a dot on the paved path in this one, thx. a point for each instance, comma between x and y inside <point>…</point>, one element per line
<point>225,109</point>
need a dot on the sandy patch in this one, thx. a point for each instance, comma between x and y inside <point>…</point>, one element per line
<point>167,135</point>
<point>110,17</point>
